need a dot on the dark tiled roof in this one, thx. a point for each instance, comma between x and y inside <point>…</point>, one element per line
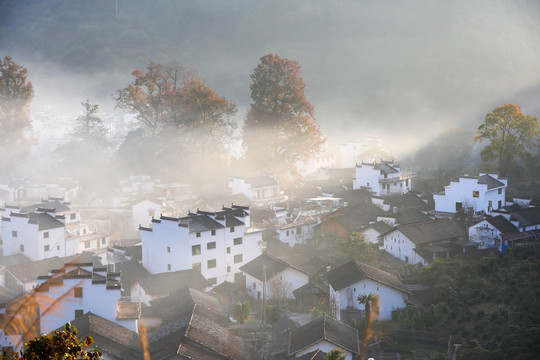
<point>380,226</point>
<point>406,201</point>
<point>324,328</point>
<point>356,217</point>
<point>180,304</point>
<point>354,271</point>
<point>273,266</point>
<point>54,206</point>
<point>410,216</point>
<point>490,181</point>
<point>502,224</point>
<point>110,338</point>
<point>431,231</point>
<point>385,167</point>
<point>213,336</point>
<point>43,220</point>
<point>169,282</point>
<point>13,260</point>
<point>527,216</point>
<point>314,355</point>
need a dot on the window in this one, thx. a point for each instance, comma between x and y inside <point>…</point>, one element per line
<point>210,264</point>
<point>500,191</point>
<point>232,228</point>
<point>238,258</point>
<point>459,206</point>
<point>228,250</point>
<point>196,250</point>
<point>287,233</point>
<point>72,216</point>
<point>46,235</point>
<point>196,266</point>
<point>79,313</point>
<point>228,269</point>
<point>407,259</point>
<point>212,281</point>
<point>198,234</point>
<point>21,248</point>
<point>87,244</point>
<point>151,212</point>
<point>213,232</point>
<point>168,267</point>
<point>46,248</point>
<point>299,230</point>
<point>237,241</point>
<point>476,193</point>
<point>78,292</point>
<point>490,205</point>
<point>57,247</point>
<point>103,241</point>
<point>14,234</point>
<point>499,204</point>
<point>168,249</point>
<point>211,245</point>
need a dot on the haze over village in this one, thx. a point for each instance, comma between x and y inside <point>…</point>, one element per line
<point>269,180</point>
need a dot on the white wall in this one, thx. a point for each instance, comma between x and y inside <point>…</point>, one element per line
<point>326,346</point>
<point>389,298</point>
<point>462,192</point>
<point>143,212</point>
<point>398,245</point>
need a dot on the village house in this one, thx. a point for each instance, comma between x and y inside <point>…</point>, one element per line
<point>324,334</point>
<point>261,190</point>
<point>490,232</point>
<point>77,288</point>
<point>216,244</point>
<point>485,192</point>
<point>382,178</point>
<point>48,229</point>
<point>347,220</point>
<point>298,232</point>
<point>275,277</point>
<point>354,279</point>
<point>421,243</point>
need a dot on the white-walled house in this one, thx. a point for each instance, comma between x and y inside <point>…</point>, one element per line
<point>349,152</point>
<point>217,244</point>
<point>325,334</point>
<point>488,232</point>
<point>382,178</point>
<point>296,232</point>
<point>143,212</point>
<point>422,242</point>
<point>68,293</point>
<point>260,190</point>
<point>281,277</point>
<point>354,278</point>
<point>485,192</point>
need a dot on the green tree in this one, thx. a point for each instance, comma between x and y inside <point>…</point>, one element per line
<point>242,310</point>
<point>57,345</point>
<point>16,94</point>
<point>510,133</point>
<point>280,126</point>
<point>366,300</point>
<point>335,354</point>
<point>90,127</point>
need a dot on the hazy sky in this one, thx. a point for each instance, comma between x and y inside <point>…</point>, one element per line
<point>404,70</point>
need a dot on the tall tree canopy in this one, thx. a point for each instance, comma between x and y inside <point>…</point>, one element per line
<point>89,126</point>
<point>16,94</point>
<point>183,123</point>
<point>280,126</point>
<point>510,133</point>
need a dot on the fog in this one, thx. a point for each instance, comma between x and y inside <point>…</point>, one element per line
<point>402,71</point>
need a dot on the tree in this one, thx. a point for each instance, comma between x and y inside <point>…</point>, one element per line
<point>181,120</point>
<point>366,300</point>
<point>57,345</point>
<point>90,127</point>
<point>16,94</point>
<point>280,126</point>
<point>335,354</point>
<point>510,133</point>
<point>242,310</point>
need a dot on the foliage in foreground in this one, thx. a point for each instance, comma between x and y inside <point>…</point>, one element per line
<point>57,345</point>
<point>490,305</point>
